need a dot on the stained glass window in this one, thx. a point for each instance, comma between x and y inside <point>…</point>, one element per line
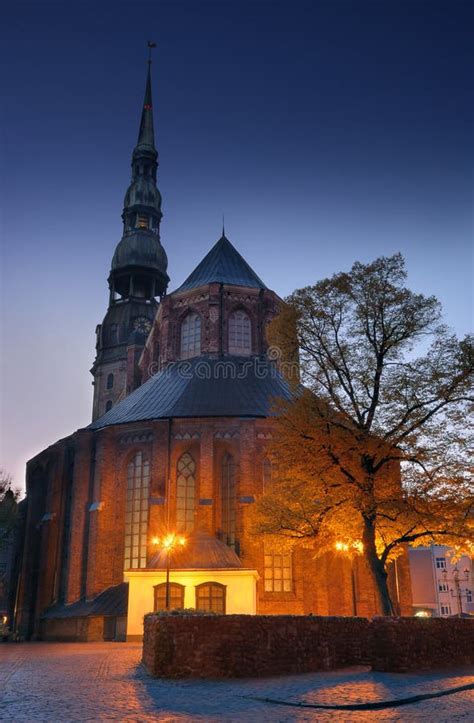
<point>185,493</point>
<point>240,333</point>
<point>228,499</point>
<point>191,336</point>
<point>136,515</point>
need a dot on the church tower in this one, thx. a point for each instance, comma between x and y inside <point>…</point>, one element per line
<point>137,276</point>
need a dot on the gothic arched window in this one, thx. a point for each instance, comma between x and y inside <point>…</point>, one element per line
<point>240,333</point>
<point>191,336</point>
<point>185,493</point>
<point>228,499</point>
<point>210,596</point>
<point>110,381</point>
<point>176,596</point>
<point>136,515</point>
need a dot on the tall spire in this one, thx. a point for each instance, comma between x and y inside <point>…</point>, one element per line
<point>146,137</point>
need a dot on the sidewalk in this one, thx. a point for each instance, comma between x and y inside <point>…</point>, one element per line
<point>105,681</point>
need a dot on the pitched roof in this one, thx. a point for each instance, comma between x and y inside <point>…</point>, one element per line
<point>112,601</point>
<point>223,264</point>
<point>201,552</point>
<point>203,387</point>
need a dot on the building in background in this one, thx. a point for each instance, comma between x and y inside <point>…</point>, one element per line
<point>441,586</point>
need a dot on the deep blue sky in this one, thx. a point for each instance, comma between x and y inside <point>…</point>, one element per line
<point>326,133</point>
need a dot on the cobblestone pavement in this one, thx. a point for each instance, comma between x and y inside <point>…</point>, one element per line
<point>105,681</point>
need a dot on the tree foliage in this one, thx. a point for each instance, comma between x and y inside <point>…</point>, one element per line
<point>388,392</point>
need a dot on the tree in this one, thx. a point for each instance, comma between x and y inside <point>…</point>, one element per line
<point>386,392</point>
<point>8,507</point>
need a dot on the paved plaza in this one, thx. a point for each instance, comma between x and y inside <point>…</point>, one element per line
<point>105,681</point>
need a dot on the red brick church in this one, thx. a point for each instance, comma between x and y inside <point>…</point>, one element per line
<point>183,389</point>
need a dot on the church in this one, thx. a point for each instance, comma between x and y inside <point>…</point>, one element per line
<point>178,446</point>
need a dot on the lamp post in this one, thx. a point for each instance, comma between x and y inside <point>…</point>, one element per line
<point>457,580</point>
<point>169,543</point>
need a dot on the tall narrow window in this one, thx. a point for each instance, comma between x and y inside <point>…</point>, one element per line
<point>210,596</point>
<point>110,381</point>
<point>228,498</point>
<point>191,336</point>
<point>176,596</point>
<point>267,473</point>
<point>108,405</point>
<point>136,515</point>
<point>185,493</point>
<point>278,573</point>
<point>142,221</point>
<point>240,333</point>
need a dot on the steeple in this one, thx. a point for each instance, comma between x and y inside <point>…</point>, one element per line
<point>139,263</point>
<point>146,136</point>
<point>137,276</point>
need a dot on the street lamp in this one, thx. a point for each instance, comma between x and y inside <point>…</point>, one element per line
<point>457,580</point>
<point>169,543</point>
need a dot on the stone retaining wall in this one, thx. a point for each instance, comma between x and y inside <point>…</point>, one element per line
<point>233,646</point>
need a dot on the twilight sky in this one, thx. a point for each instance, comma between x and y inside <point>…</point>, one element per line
<point>325,131</point>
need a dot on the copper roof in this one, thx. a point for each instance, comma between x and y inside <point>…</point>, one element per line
<point>203,387</point>
<point>201,552</point>
<point>223,264</point>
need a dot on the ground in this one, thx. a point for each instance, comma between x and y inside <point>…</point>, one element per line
<point>105,681</point>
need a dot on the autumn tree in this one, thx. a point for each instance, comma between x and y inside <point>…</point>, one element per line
<point>373,451</point>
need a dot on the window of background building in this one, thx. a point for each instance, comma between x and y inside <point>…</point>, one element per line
<point>441,563</point>
<point>136,515</point>
<point>228,499</point>
<point>185,493</point>
<point>191,336</point>
<point>445,609</point>
<point>110,381</point>
<point>443,587</point>
<point>176,596</point>
<point>278,574</point>
<point>210,596</point>
<point>469,596</point>
<point>240,333</point>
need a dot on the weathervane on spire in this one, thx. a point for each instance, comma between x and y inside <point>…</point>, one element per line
<point>151,45</point>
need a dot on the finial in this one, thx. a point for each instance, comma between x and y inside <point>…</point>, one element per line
<point>151,45</point>
<point>223,225</point>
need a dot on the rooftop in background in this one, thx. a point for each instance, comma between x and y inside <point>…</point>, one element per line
<point>223,264</point>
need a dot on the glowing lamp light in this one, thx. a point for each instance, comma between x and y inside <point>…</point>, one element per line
<point>169,541</point>
<point>422,614</point>
<point>357,545</point>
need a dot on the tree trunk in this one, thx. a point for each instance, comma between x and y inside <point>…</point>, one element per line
<point>379,574</point>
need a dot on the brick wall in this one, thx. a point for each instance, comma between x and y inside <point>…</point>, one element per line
<point>404,644</point>
<point>254,645</point>
<point>195,646</point>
